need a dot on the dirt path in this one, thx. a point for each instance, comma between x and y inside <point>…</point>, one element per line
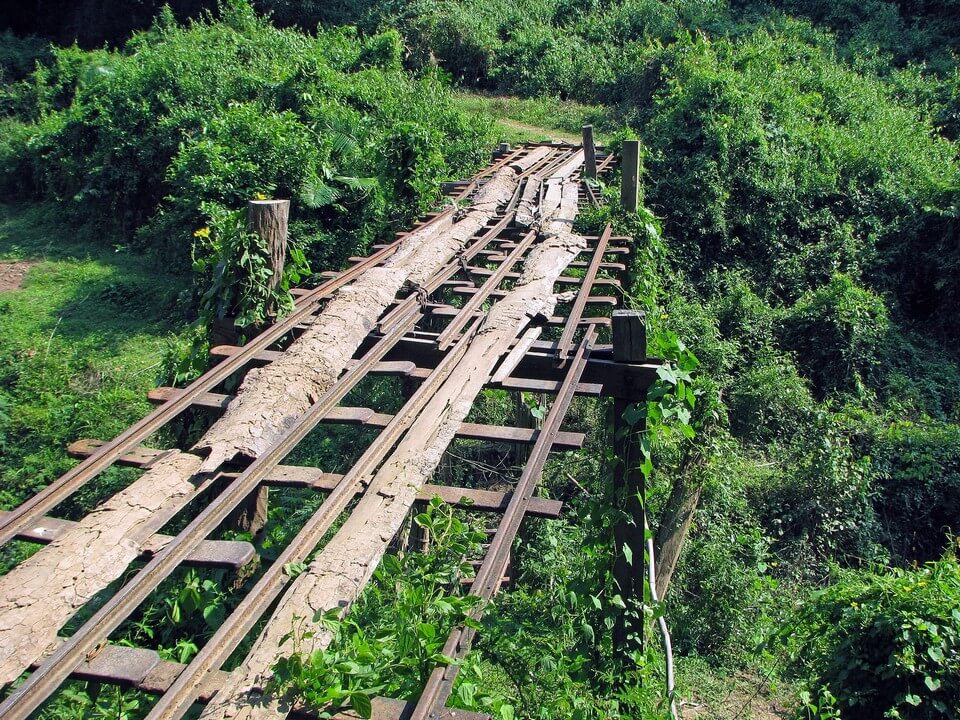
<point>12,274</point>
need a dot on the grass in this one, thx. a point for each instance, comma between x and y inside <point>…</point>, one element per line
<point>536,119</point>
<point>81,342</point>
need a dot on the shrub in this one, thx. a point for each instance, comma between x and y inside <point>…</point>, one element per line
<point>769,401</point>
<point>885,643</point>
<point>916,468</point>
<point>838,333</point>
<point>820,504</point>
<point>218,111</point>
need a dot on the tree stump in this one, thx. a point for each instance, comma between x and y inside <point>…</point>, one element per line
<point>269,219</point>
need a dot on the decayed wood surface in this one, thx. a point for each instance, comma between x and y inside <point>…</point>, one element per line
<point>549,184</point>
<point>339,572</point>
<point>268,219</point>
<point>40,594</point>
<point>271,398</point>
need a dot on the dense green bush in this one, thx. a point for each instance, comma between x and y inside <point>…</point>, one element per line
<point>886,644</point>
<point>838,333</point>
<point>916,469</point>
<point>218,111</point>
<point>769,402</point>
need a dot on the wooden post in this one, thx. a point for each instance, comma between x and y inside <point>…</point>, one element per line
<point>269,218</point>
<point>629,336</point>
<point>629,346</point>
<point>589,153</point>
<point>630,175</point>
<point>524,418</point>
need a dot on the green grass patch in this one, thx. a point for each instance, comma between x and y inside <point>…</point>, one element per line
<point>80,344</point>
<point>536,119</point>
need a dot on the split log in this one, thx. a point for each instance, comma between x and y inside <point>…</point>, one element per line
<point>272,397</point>
<point>340,571</point>
<point>550,183</point>
<point>42,593</point>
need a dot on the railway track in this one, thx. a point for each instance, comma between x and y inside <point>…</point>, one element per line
<point>502,303</point>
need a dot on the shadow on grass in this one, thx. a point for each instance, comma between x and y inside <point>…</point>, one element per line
<point>81,290</point>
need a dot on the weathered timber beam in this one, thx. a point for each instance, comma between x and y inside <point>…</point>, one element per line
<point>510,383</point>
<point>499,294</point>
<point>614,378</point>
<point>308,477</point>
<point>441,310</point>
<point>563,279</point>
<point>144,670</point>
<point>211,553</point>
<point>366,416</point>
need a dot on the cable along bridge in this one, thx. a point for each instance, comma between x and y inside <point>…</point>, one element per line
<point>498,293</point>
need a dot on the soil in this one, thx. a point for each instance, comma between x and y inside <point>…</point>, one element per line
<point>748,699</point>
<point>12,274</point>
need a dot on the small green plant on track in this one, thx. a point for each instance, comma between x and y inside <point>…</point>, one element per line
<point>393,638</point>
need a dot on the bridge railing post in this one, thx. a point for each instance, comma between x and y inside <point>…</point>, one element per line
<point>589,154</point>
<point>629,346</point>
<point>630,175</point>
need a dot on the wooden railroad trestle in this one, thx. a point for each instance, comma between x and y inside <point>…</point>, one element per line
<point>573,364</point>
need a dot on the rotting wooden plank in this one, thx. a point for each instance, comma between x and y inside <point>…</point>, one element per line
<point>270,398</point>
<point>592,300</point>
<point>366,416</point>
<point>540,362</point>
<point>563,279</point>
<point>450,310</point>
<point>212,553</point>
<point>308,477</point>
<point>342,568</point>
<point>40,594</point>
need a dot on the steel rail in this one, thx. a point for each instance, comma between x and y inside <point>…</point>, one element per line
<point>185,690</point>
<point>440,684</point>
<point>68,656</point>
<point>47,499</point>
<point>586,286</point>
<point>449,334</point>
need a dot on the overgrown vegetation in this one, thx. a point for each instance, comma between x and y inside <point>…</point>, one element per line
<point>800,237</point>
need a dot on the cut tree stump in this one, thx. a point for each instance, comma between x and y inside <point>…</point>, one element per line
<point>269,219</point>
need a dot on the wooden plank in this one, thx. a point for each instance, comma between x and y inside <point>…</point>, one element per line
<point>212,553</point>
<point>563,279</point>
<point>499,294</point>
<point>366,416</point>
<point>308,477</point>
<point>540,362</point>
